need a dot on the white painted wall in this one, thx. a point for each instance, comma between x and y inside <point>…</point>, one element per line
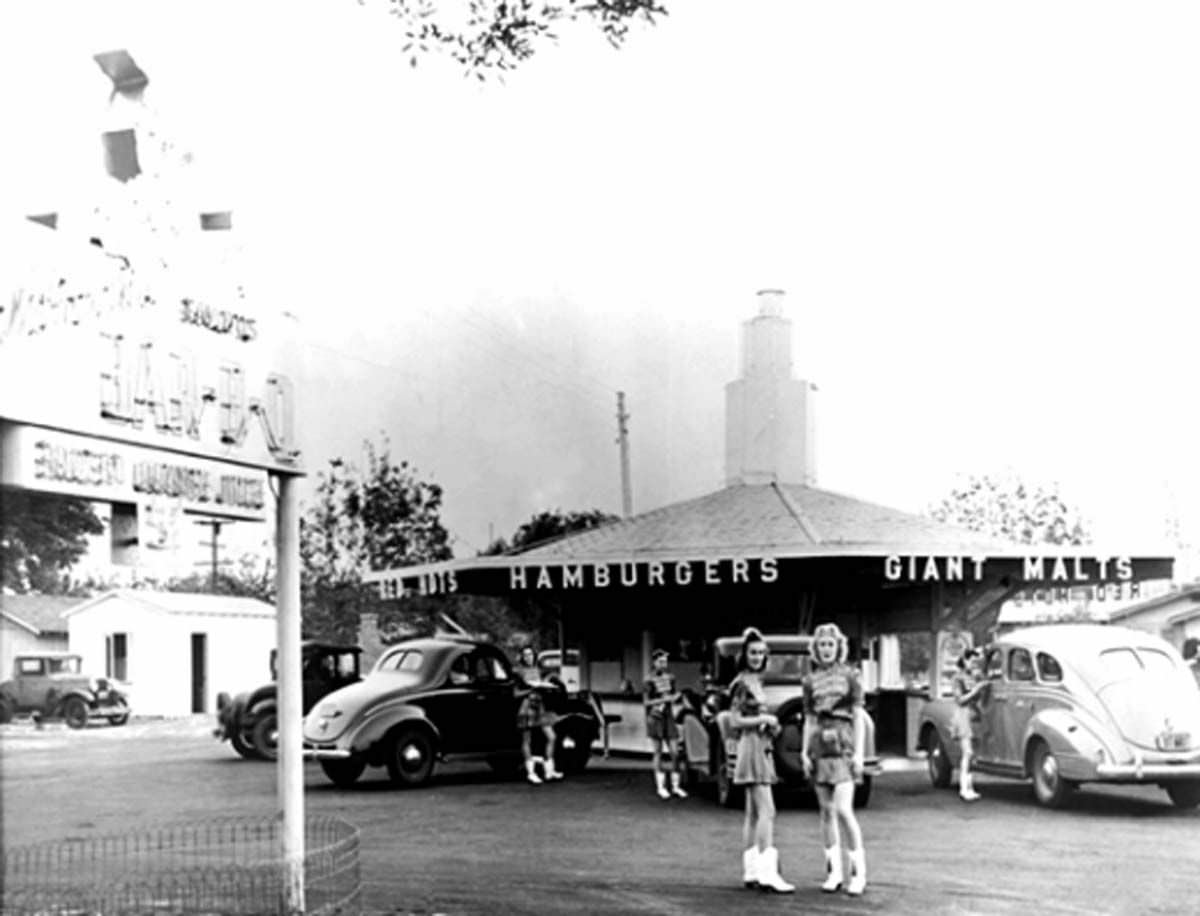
<point>16,640</point>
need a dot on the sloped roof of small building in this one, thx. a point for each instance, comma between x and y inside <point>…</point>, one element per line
<point>1187,598</point>
<point>190,603</point>
<point>787,519</point>
<point>39,614</point>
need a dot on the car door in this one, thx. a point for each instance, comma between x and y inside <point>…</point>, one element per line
<point>992,704</point>
<point>495,701</point>
<point>450,705</point>
<point>1019,707</point>
<point>33,682</point>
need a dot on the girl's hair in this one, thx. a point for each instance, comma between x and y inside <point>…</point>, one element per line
<point>966,658</point>
<point>843,644</point>
<point>521,652</point>
<point>749,635</point>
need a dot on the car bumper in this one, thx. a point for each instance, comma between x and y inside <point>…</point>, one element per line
<point>1147,772</point>
<point>325,752</point>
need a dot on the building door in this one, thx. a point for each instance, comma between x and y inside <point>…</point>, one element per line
<point>199,671</point>
<point>117,656</point>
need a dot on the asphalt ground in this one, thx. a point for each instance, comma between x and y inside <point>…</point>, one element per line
<point>603,843</point>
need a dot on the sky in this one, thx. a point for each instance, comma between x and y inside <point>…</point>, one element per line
<point>985,217</point>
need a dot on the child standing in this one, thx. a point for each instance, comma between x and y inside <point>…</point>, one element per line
<point>659,695</point>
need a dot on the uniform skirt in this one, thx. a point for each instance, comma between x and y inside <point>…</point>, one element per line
<point>755,760</point>
<point>962,723</point>
<point>533,713</point>
<point>831,748</point>
<point>661,727</point>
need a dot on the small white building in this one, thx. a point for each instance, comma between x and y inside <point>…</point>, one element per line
<point>175,650</point>
<point>30,624</point>
<point>1174,616</point>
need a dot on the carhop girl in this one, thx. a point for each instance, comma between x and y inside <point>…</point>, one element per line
<point>533,716</point>
<point>834,732</point>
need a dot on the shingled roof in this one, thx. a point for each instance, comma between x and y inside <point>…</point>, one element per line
<point>782,519</point>
<point>40,614</point>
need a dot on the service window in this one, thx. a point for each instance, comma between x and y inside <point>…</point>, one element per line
<point>1020,665</point>
<point>1049,670</point>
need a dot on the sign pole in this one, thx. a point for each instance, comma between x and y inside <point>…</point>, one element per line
<point>290,773</point>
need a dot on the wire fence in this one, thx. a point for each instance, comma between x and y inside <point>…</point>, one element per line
<point>220,867</point>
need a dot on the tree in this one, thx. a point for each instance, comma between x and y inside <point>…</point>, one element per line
<point>1005,507</point>
<point>251,578</point>
<point>41,537</point>
<point>547,525</point>
<point>499,34</point>
<point>381,517</point>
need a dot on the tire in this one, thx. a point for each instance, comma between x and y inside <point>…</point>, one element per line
<point>1049,787</point>
<point>75,712</point>
<point>264,738</point>
<point>410,757</point>
<point>7,710</point>
<point>728,795</point>
<point>344,773</point>
<point>118,720</point>
<point>789,748</point>
<point>937,761</point>
<point>242,743</point>
<point>572,749</point>
<point>1185,794</point>
<point>862,793</point>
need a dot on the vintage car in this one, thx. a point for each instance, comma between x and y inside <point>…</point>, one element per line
<point>53,685</point>
<point>249,721</point>
<point>435,699</point>
<point>709,750</point>
<point>1067,704</point>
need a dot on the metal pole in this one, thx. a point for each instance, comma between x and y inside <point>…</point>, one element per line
<point>290,766</point>
<point>623,441</point>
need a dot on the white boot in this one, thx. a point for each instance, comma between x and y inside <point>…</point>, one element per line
<point>833,868</point>
<point>768,872</point>
<point>550,771</point>
<point>676,788</point>
<point>531,771</point>
<point>966,788</point>
<point>660,784</point>
<point>858,872</point>
<point>750,867</point>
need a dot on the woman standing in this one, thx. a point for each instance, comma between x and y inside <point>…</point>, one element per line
<point>834,732</point>
<point>967,685</point>
<point>533,716</point>
<point>755,730</point>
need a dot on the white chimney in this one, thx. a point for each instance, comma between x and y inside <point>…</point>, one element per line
<point>769,422</point>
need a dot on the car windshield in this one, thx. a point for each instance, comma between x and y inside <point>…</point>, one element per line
<point>786,668</point>
<point>63,665</point>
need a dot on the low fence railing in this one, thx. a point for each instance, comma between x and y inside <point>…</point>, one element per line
<point>220,867</point>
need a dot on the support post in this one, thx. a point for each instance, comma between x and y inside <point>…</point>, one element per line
<point>935,658</point>
<point>290,772</point>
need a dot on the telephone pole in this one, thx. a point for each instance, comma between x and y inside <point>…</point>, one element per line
<point>623,441</point>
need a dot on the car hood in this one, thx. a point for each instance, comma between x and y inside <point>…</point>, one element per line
<point>1143,709</point>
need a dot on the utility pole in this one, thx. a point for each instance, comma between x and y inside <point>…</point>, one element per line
<point>215,525</point>
<point>623,441</point>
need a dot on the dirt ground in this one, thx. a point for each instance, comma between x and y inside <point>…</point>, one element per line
<point>603,843</point>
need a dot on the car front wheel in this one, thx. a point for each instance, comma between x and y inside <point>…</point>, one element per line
<point>75,712</point>
<point>410,757</point>
<point>1049,785</point>
<point>344,773</point>
<point>265,737</point>
<point>937,761</point>
<point>573,749</point>
<point>7,711</point>
<point>1184,794</point>
<point>118,720</point>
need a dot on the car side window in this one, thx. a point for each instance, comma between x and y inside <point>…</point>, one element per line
<point>993,664</point>
<point>31,666</point>
<point>1049,670</point>
<point>460,671</point>
<point>1020,665</point>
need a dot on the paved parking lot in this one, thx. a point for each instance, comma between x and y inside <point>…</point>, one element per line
<point>603,843</point>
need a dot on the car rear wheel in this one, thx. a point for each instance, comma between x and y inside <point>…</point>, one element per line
<point>728,794</point>
<point>118,720</point>
<point>862,793</point>
<point>265,737</point>
<point>344,773</point>
<point>75,712</point>
<point>1049,786</point>
<point>572,749</point>
<point>243,743</point>
<point>937,761</point>
<point>1184,794</point>
<point>7,711</point>
<point>410,757</point>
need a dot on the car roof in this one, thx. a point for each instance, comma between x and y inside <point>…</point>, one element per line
<point>778,642</point>
<point>329,646</point>
<point>48,655</point>
<point>1076,638</point>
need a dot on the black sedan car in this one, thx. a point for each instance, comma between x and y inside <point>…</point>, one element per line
<point>435,699</point>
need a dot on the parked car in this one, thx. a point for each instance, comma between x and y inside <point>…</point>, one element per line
<point>708,746</point>
<point>436,699</point>
<point>249,721</point>
<point>53,685</point>
<point>1069,704</point>
<point>550,663</point>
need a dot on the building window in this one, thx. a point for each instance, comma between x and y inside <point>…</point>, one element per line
<point>116,663</point>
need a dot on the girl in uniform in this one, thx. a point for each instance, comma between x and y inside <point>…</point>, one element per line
<point>834,732</point>
<point>659,695</point>
<point>755,730</point>
<point>533,716</point>
<point>967,685</point>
